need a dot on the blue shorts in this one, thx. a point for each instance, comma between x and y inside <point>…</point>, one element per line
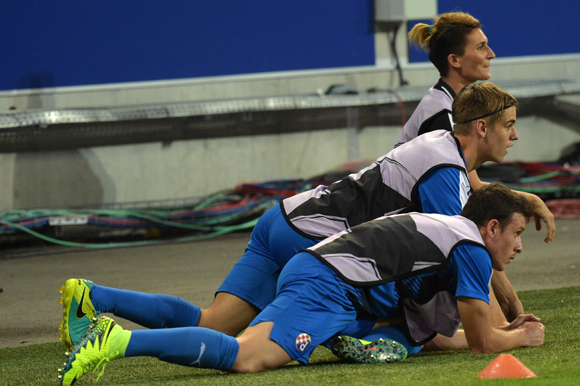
<point>273,242</point>
<point>312,306</point>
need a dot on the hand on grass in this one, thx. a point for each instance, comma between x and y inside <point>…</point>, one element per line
<point>520,320</point>
<point>534,333</point>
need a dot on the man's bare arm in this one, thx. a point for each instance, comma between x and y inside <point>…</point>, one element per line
<point>474,180</point>
<point>540,209</point>
<point>541,212</point>
<point>443,343</point>
<point>506,295</point>
<point>483,337</point>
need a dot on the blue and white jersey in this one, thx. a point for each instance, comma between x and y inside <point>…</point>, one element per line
<point>412,266</point>
<point>427,174</point>
<point>432,113</point>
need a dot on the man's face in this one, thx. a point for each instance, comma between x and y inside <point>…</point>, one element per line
<point>507,242</point>
<point>502,135</point>
<point>474,63</point>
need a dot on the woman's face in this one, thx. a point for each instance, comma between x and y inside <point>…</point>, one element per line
<point>474,64</point>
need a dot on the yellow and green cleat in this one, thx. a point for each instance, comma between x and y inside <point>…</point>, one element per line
<point>77,310</point>
<point>104,341</point>
<point>359,351</point>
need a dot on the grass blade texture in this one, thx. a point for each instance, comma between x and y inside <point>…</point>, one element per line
<point>555,363</point>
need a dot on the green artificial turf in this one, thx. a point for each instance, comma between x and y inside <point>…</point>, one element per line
<point>557,362</point>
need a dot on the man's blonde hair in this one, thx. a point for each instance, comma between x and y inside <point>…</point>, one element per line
<point>480,100</point>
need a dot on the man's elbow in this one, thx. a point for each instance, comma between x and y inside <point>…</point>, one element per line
<point>482,348</point>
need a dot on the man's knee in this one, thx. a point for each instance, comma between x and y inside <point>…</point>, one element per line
<point>228,314</point>
<point>258,352</point>
<point>258,361</point>
<point>248,366</point>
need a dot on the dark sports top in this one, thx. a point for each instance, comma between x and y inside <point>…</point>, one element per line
<point>432,113</point>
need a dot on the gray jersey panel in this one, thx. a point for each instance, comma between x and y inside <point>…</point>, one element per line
<point>444,233</point>
<point>406,164</point>
<point>386,187</point>
<point>440,315</point>
<point>399,245</point>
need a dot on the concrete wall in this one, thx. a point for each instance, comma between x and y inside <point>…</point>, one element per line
<point>150,172</point>
<point>183,169</point>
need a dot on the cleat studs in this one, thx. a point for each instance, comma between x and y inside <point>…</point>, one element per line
<point>389,358</point>
<point>60,300</point>
<point>67,353</point>
<point>381,340</point>
<point>394,344</point>
<point>59,377</point>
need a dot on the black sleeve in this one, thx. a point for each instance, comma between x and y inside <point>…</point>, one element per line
<point>436,122</point>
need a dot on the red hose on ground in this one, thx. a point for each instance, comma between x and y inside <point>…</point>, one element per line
<point>565,208</point>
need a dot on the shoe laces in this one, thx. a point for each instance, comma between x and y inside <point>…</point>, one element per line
<point>103,362</point>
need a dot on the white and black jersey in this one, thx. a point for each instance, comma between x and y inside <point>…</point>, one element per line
<point>395,247</point>
<point>432,113</point>
<point>388,186</point>
<point>392,258</point>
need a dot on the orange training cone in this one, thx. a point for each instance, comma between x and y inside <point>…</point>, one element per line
<point>506,366</point>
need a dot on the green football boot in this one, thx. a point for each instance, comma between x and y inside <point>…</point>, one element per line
<point>104,341</point>
<point>77,310</point>
<point>359,351</point>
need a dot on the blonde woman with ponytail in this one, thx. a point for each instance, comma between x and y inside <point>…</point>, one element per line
<point>459,50</point>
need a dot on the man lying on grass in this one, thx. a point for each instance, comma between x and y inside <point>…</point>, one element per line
<point>430,271</point>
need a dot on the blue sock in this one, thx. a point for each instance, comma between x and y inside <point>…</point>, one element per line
<point>148,310</point>
<point>394,334</point>
<point>186,346</point>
